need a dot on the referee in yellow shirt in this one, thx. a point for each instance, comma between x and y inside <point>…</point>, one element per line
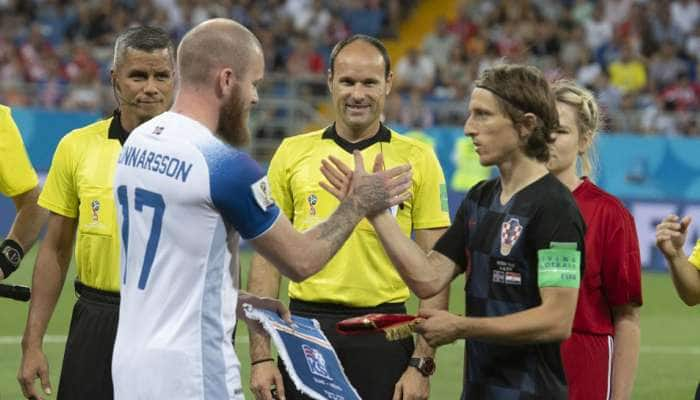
<point>671,235</point>
<point>359,279</point>
<point>19,182</point>
<point>78,194</point>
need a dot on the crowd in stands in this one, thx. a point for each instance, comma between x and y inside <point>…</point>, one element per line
<point>640,57</point>
<point>58,53</point>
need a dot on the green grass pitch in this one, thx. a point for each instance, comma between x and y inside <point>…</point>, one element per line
<point>669,366</point>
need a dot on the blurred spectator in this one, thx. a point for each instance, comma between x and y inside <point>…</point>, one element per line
<point>582,11</point>
<point>437,44</point>
<point>616,10</point>
<point>609,96</point>
<point>589,69</point>
<point>599,31</point>
<point>304,60</point>
<point>415,71</point>
<point>457,75</point>
<point>628,73</point>
<point>314,20</point>
<point>392,109</point>
<point>337,29</point>
<point>685,14</point>
<point>509,44</point>
<point>414,113</point>
<point>665,66</point>
<point>660,118</point>
<point>663,28</point>
<point>52,89</point>
<point>84,93</point>
<point>683,93</point>
<point>692,45</point>
<point>364,16</point>
<point>463,26</point>
<point>32,51</point>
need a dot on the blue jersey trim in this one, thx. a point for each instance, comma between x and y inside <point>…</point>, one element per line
<point>213,364</point>
<point>232,175</point>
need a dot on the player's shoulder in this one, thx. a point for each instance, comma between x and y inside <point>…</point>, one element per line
<point>79,139</point>
<point>483,191</point>
<point>6,120</point>
<point>5,112</point>
<point>550,190</point>
<point>412,144</point>
<point>590,193</point>
<point>595,193</point>
<point>95,129</point>
<point>302,140</point>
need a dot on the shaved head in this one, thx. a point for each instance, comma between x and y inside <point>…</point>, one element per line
<point>212,45</point>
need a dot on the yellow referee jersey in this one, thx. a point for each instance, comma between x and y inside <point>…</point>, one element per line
<point>16,173</point>
<point>79,185</point>
<point>360,274</point>
<point>695,255</point>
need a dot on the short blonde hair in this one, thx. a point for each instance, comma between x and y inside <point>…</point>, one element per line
<point>588,119</point>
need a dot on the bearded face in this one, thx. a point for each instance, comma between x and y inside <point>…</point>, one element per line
<point>233,119</point>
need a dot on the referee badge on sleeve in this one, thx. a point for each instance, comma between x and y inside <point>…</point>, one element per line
<point>262,193</point>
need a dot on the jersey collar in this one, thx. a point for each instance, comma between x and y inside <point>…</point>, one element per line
<point>382,135</point>
<point>116,130</point>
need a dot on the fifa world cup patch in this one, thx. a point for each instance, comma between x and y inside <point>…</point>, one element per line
<point>262,193</point>
<point>559,265</point>
<point>312,200</point>
<point>95,207</point>
<point>510,233</point>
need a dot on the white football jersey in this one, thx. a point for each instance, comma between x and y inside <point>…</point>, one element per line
<point>183,197</point>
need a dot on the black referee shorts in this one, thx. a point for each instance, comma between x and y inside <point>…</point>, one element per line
<point>87,361</point>
<point>372,364</point>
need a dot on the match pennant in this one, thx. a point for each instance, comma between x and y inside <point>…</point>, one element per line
<point>310,359</point>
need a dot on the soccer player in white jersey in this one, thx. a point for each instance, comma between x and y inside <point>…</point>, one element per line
<point>185,196</point>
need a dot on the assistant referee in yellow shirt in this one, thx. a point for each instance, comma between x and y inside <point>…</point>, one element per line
<point>360,278</point>
<point>19,182</point>
<point>78,194</point>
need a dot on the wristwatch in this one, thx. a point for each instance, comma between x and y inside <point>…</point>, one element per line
<point>426,365</point>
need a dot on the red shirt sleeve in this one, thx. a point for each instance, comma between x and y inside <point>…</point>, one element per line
<point>621,269</point>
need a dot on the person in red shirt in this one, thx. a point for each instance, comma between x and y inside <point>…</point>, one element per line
<point>600,358</point>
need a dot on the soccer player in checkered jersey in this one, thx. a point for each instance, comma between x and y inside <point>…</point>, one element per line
<point>600,358</point>
<point>518,239</point>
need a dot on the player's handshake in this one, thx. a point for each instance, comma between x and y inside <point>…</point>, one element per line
<point>371,193</point>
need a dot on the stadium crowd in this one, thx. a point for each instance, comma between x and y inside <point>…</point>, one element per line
<point>640,57</point>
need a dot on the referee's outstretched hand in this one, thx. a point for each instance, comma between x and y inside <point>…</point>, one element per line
<point>34,365</point>
<point>671,235</point>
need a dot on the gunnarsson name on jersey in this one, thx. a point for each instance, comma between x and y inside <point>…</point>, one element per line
<point>156,162</point>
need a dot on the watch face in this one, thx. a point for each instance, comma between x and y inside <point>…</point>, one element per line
<point>428,366</point>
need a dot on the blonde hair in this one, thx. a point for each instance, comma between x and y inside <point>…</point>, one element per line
<point>588,119</point>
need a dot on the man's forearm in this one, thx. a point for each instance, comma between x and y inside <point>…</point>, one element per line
<point>625,353</point>
<point>263,280</point>
<point>29,219</point>
<point>550,322</point>
<point>47,282</point>
<point>437,302</point>
<point>412,263</point>
<point>686,279</point>
<point>332,233</point>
